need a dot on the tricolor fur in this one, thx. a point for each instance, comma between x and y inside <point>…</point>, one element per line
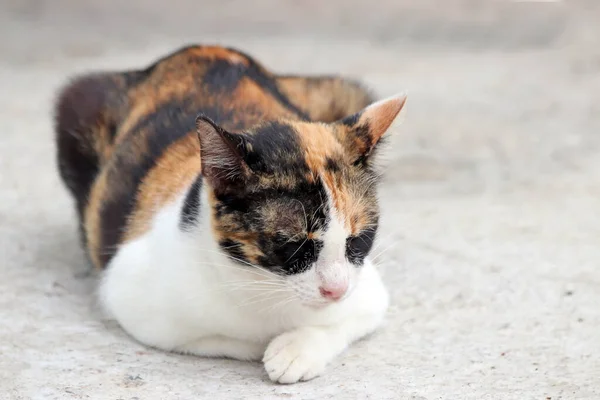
<point>232,209</point>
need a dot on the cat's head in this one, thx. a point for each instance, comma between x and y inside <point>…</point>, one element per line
<point>298,199</point>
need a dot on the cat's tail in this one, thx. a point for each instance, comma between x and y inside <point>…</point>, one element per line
<point>87,114</point>
<point>325,98</point>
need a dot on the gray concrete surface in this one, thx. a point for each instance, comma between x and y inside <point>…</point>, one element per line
<point>492,201</point>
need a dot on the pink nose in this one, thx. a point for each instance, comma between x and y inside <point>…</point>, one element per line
<point>333,291</point>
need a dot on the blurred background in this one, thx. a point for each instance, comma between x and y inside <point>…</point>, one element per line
<point>497,87</point>
<point>489,240</point>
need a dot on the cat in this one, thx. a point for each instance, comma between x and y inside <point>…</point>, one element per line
<point>231,210</point>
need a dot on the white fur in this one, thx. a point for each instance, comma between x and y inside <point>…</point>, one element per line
<point>176,291</point>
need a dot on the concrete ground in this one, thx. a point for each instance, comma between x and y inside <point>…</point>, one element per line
<point>490,244</point>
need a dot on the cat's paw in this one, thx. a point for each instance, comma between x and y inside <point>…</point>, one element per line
<point>298,355</point>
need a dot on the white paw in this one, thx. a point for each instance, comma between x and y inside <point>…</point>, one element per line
<point>298,355</point>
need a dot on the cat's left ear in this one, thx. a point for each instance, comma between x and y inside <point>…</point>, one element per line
<point>363,133</point>
<point>222,155</point>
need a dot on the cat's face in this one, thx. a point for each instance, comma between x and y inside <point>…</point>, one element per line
<point>298,199</point>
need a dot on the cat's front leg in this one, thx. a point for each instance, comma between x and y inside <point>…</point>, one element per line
<point>303,353</point>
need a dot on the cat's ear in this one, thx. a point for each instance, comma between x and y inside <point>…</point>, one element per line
<point>222,155</point>
<point>363,133</point>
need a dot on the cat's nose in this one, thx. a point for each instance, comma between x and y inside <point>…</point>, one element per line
<point>334,291</point>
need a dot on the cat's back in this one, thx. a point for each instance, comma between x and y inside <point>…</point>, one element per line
<point>224,84</point>
<point>141,149</point>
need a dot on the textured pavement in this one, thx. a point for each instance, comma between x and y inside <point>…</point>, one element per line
<point>491,231</point>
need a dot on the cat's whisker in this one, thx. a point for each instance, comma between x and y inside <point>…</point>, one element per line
<point>257,272</point>
<point>299,247</point>
<point>238,290</point>
<point>253,266</point>
<point>252,286</point>
<point>261,297</point>
<point>304,211</point>
<point>253,282</point>
<point>278,306</point>
<point>381,240</point>
<point>255,287</point>
<point>316,211</point>
<point>292,238</point>
<point>248,288</point>
<point>262,290</point>
<point>262,294</point>
<point>383,251</point>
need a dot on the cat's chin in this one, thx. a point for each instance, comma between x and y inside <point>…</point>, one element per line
<point>318,305</point>
<point>314,305</point>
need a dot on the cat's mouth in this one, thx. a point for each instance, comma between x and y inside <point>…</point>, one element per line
<point>318,306</point>
<point>321,304</point>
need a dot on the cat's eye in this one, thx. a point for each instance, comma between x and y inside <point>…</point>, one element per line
<point>298,255</point>
<point>358,246</point>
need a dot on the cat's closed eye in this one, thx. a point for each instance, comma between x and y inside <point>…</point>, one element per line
<point>358,246</point>
<point>298,254</point>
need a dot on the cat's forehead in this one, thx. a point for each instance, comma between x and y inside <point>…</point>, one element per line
<point>293,146</point>
<point>294,212</point>
<point>300,155</point>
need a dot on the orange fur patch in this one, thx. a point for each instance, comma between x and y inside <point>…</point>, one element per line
<point>92,218</point>
<point>325,99</point>
<point>258,103</point>
<point>174,172</point>
<point>318,143</point>
<point>380,116</point>
<point>219,53</point>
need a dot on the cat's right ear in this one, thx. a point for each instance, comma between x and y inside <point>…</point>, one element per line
<point>222,155</point>
<point>365,131</point>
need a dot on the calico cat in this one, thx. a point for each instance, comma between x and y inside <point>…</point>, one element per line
<point>231,209</point>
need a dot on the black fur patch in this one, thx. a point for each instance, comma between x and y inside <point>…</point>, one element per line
<point>228,75</point>
<point>234,250</point>
<point>332,165</point>
<point>362,132</point>
<point>302,207</point>
<point>79,108</point>
<point>294,257</point>
<point>77,168</point>
<point>191,206</point>
<point>276,149</point>
<point>359,246</point>
<point>223,77</point>
<point>351,120</point>
<point>229,202</point>
<point>165,126</point>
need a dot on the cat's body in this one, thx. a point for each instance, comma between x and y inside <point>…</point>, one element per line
<point>218,243</point>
